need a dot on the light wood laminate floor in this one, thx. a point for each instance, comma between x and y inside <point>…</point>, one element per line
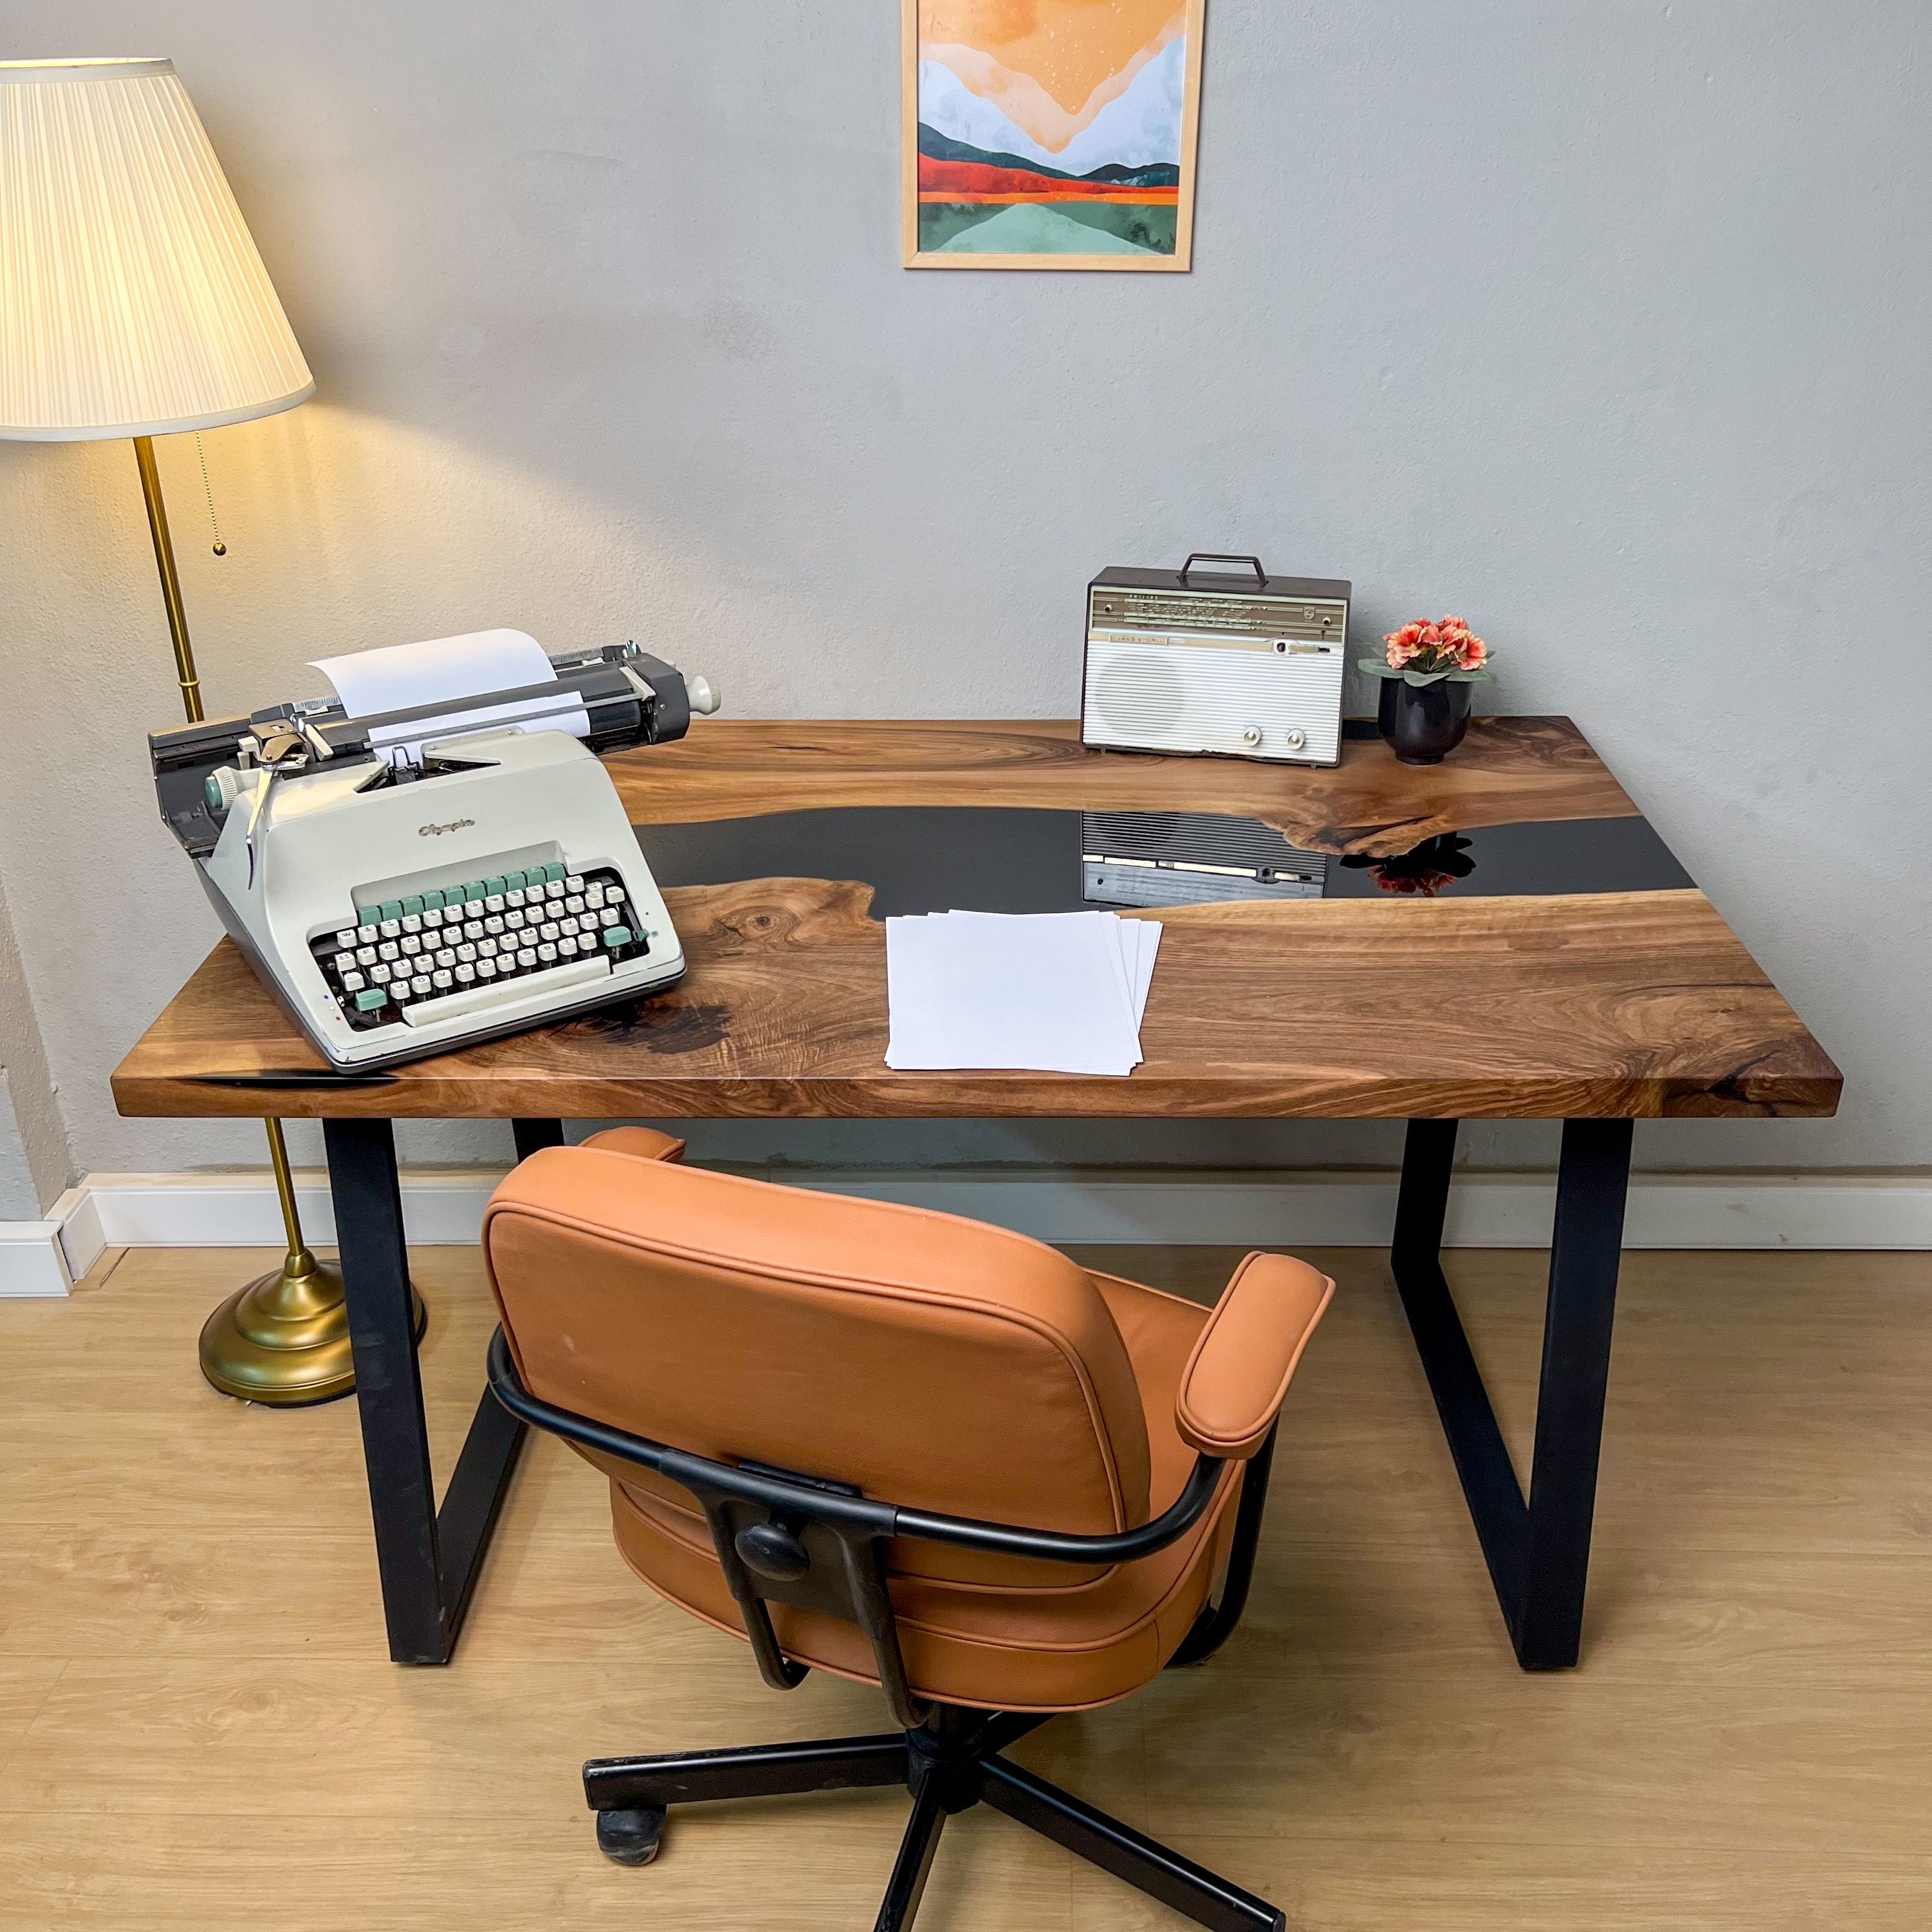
<point>198,1730</point>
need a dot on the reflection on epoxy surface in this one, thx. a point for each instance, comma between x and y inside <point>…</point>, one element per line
<point>938,859</point>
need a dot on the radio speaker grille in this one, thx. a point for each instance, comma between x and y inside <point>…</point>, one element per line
<point>1139,693</point>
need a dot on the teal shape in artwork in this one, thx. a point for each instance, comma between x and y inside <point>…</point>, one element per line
<point>1036,228</point>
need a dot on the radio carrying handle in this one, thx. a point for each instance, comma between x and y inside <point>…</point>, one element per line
<point>1254,563</point>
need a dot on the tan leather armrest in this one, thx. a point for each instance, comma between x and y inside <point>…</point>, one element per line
<point>646,1143</point>
<point>1231,1389</point>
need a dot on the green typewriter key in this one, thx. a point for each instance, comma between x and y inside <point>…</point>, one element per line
<point>370,998</point>
<point>514,882</point>
<point>552,874</point>
<point>390,909</point>
<point>616,935</point>
<point>494,889</point>
<point>473,893</point>
<point>412,905</point>
<point>369,916</point>
<point>432,901</point>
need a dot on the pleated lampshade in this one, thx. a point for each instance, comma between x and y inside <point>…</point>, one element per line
<point>133,301</point>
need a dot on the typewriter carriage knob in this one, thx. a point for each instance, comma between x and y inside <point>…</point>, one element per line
<point>702,695</point>
<point>221,788</point>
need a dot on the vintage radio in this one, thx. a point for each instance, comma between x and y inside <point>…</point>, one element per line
<point>1198,660</point>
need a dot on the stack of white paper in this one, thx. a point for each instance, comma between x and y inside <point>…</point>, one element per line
<point>1055,992</point>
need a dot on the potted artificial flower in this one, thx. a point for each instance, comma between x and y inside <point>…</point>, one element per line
<point>1426,680</point>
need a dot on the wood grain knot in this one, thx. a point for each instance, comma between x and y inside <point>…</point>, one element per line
<point>663,1025</point>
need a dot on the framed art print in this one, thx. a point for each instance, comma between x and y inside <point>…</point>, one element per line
<point>1051,133</point>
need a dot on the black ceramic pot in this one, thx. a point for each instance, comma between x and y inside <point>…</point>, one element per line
<point>1424,722</point>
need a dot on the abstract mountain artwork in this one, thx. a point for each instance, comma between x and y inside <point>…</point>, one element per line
<point>1051,133</point>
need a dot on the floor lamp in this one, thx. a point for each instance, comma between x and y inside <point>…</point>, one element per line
<point>133,302</point>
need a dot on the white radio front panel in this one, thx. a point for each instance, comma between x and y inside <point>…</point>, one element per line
<point>1245,694</point>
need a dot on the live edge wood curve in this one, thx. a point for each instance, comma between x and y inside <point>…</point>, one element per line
<point>1508,771</point>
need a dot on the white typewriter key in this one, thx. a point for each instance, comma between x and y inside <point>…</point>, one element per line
<point>346,936</point>
<point>421,982</point>
<point>389,950</point>
<point>446,956</point>
<point>412,922</point>
<point>399,990</point>
<point>472,930</point>
<point>574,903</point>
<point>555,889</point>
<point>526,956</point>
<point>351,982</point>
<point>494,903</point>
<point>486,967</point>
<point>441,982</point>
<point>493,925</point>
<point>515,897</point>
<point>390,928</point>
<point>466,953</point>
<point>380,974</point>
<point>547,931</point>
<point>613,896</point>
<point>465,974</point>
<point>365,956</point>
<point>547,954</point>
<point>410,943</point>
<point>567,946</point>
<point>594,897</point>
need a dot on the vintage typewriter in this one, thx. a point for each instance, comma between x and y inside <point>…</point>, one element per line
<point>401,900</point>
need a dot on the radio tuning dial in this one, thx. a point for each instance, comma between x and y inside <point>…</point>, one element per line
<point>1251,735</point>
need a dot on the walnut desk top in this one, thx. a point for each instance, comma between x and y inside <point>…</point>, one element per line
<point>1502,935</point>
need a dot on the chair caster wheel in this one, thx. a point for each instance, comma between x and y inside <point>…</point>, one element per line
<point>631,1837</point>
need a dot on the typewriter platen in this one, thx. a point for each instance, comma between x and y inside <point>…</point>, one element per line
<point>399,904</point>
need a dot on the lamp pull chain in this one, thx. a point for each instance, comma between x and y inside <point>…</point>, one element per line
<point>208,490</point>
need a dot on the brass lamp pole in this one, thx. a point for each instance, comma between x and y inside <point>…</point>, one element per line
<point>283,1338</point>
<point>133,302</point>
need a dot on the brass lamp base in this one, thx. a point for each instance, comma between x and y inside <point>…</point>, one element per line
<point>284,1340</point>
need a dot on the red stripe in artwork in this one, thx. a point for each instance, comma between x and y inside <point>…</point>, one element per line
<point>978,178</point>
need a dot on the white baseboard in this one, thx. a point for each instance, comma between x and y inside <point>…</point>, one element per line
<point>444,1207</point>
<point>31,1259</point>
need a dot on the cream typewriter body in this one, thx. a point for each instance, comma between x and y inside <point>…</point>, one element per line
<point>488,882</point>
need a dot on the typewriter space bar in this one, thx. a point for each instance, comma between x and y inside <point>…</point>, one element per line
<point>489,999</point>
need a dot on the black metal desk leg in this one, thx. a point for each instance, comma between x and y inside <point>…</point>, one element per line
<point>532,1134</point>
<point>428,1561</point>
<point>1591,1186</point>
<point>1538,1551</point>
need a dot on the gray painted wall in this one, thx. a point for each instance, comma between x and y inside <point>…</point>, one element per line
<point>35,1163</point>
<point>1603,322</point>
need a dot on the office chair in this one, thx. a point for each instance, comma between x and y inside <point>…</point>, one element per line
<point>908,1449</point>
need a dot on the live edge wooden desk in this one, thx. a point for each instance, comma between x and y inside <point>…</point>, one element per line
<point>1552,961</point>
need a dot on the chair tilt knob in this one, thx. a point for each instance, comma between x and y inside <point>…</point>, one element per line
<point>773,1551</point>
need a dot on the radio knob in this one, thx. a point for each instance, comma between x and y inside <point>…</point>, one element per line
<point>1251,735</point>
<point>1296,739</point>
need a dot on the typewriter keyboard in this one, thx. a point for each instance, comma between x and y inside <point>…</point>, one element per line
<point>488,934</point>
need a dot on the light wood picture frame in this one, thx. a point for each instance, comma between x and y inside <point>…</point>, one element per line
<point>1028,129</point>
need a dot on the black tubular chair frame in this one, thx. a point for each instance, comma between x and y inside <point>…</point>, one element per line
<point>817,1544</point>
<point>781,1536</point>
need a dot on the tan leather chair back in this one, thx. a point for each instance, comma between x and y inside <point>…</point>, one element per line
<point>935,1362</point>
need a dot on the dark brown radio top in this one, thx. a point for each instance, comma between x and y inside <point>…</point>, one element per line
<point>1502,935</point>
